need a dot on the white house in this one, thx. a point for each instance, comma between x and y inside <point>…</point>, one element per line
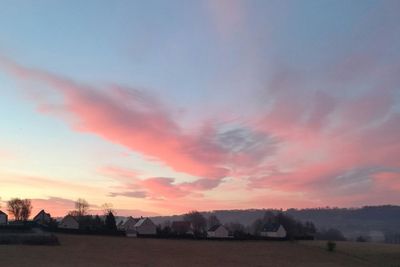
<point>133,226</point>
<point>42,217</point>
<point>119,222</point>
<point>127,225</point>
<point>3,218</point>
<point>69,222</point>
<point>274,230</point>
<point>145,226</point>
<point>218,231</point>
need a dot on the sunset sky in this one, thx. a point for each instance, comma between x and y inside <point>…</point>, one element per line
<point>161,107</point>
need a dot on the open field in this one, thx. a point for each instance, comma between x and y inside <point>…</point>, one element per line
<point>118,251</point>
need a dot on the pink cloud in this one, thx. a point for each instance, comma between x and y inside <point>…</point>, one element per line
<point>154,187</point>
<point>128,117</point>
<point>389,180</point>
<point>325,144</point>
<point>326,140</point>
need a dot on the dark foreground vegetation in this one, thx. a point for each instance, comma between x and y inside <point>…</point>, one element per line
<point>26,235</point>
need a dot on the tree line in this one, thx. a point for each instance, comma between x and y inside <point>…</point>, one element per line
<point>200,224</point>
<point>21,209</point>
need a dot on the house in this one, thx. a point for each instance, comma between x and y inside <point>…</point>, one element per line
<point>182,228</point>
<point>42,218</point>
<point>274,230</point>
<point>128,224</point>
<point>69,222</point>
<point>145,226</point>
<point>3,218</point>
<point>119,222</point>
<point>218,231</point>
<point>134,226</point>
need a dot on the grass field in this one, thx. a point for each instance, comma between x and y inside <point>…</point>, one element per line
<point>119,251</point>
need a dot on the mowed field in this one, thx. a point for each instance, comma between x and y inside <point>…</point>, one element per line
<point>119,251</point>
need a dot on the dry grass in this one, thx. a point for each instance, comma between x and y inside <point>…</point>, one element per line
<point>374,253</point>
<point>118,251</point>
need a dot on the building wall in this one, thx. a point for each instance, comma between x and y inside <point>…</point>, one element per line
<point>221,232</point>
<point>281,233</point>
<point>147,228</point>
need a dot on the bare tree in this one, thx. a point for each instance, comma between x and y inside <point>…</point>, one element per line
<point>81,207</point>
<point>26,209</point>
<point>20,208</point>
<point>107,208</point>
<point>197,220</point>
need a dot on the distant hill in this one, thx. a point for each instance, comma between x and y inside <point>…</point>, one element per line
<point>352,222</point>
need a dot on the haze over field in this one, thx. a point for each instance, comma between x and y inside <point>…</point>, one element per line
<point>161,107</point>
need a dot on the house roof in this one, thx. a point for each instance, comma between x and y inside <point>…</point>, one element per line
<point>215,227</point>
<point>130,218</point>
<point>40,213</point>
<point>140,222</point>
<point>271,227</point>
<point>119,221</point>
<point>1,212</point>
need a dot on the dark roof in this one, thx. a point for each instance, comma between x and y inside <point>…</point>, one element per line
<point>135,220</point>
<point>3,213</point>
<point>41,212</point>
<point>214,228</point>
<point>271,227</point>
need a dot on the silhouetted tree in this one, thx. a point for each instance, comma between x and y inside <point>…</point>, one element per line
<point>212,221</point>
<point>293,228</point>
<point>110,222</point>
<point>107,208</point>
<point>197,220</point>
<point>164,229</point>
<point>236,229</point>
<point>81,207</point>
<point>97,223</point>
<point>310,228</point>
<point>257,226</point>
<point>20,208</point>
<point>26,209</point>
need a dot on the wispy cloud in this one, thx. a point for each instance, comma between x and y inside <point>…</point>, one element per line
<point>128,117</point>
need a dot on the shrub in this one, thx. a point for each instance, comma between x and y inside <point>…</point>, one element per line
<point>361,239</point>
<point>331,246</point>
<point>29,239</point>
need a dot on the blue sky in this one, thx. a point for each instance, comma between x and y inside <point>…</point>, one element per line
<point>279,79</point>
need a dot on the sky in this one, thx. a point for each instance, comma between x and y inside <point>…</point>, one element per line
<point>162,107</point>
